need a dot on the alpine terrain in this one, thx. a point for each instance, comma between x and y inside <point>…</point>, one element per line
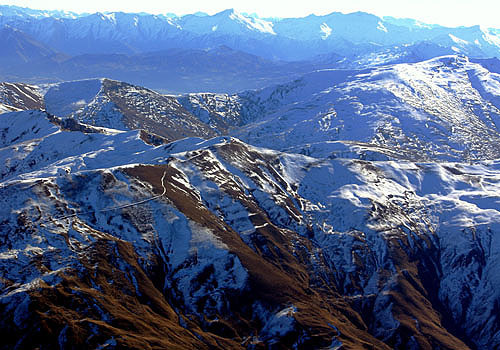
<point>350,203</point>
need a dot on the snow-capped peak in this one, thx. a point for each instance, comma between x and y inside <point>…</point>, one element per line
<point>253,23</point>
<point>111,16</point>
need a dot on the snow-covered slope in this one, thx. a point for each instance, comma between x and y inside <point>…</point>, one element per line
<point>228,22</point>
<point>445,108</point>
<point>108,241</point>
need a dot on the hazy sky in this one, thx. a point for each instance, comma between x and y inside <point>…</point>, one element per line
<point>445,12</point>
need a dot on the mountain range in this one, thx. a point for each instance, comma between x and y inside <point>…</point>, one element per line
<point>225,52</point>
<point>235,182</point>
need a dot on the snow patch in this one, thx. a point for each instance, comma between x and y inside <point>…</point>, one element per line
<point>457,40</point>
<point>326,30</point>
<point>253,23</point>
<point>110,17</point>
<point>381,27</point>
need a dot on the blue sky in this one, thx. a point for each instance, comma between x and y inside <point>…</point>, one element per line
<point>445,12</point>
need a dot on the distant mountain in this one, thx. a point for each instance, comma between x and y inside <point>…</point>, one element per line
<point>228,22</point>
<point>10,11</point>
<point>226,52</point>
<point>220,69</point>
<point>285,39</point>
<point>19,49</point>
